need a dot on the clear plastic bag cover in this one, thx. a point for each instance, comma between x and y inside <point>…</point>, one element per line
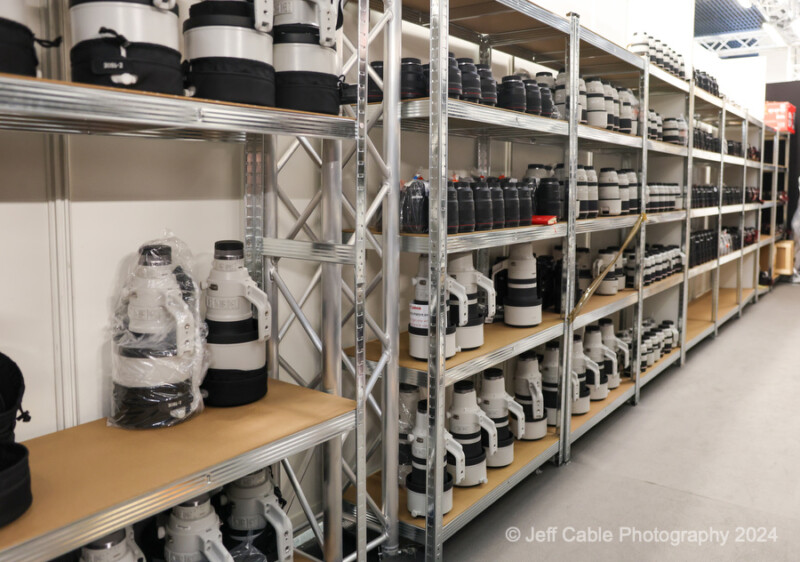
<point>246,550</point>
<point>158,356</point>
<point>414,207</point>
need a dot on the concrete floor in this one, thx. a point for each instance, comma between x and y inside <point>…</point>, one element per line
<point>712,445</point>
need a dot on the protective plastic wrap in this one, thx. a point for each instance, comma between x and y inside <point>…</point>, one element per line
<point>159,351</point>
<point>414,206</point>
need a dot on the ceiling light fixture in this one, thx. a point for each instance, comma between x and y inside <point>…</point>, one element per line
<point>745,4</point>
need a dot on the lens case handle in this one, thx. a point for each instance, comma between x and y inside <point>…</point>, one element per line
<point>260,301</point>
<point>264,15</point>
<point>454,448</point>
<point>519,413</point>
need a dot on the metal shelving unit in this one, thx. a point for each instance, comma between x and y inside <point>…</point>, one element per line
<point>60,108</point>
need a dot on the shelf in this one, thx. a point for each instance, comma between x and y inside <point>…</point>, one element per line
<point>704,212</point>
<point>762,290</point>
<point>702,268</point>
<point>501,342</point>
<point>733,256</point>
<point>605,223</point>
<point>754,121</point>
<point>747,295</point>
<point>752,164</point>
<point>594,137</point>
<point>727,209</point>
<point>469,119</point>
<point>662,82</point>
<point>735,110</point>
<point>420,244</point>
<point>600,409</point>
<point>749,249</point>
<point>732,160</point>
<point>667,216</point>
<point>28,104</point>
<point>698,154</point>
<point>88,480</point>
<point>706,105</point>
<point>727,306</point>
<point>752,206</point>
<point>765,240</point>
<point>667,148</point>
<point>470,502</point>
<point>600,306</point>
<point>663,285</point>
<point>767,204</point>
<point>697,331</point>
<point>769,167</point>
<point>701,308</point>
<point>542,34</point>
<point>659,366</point>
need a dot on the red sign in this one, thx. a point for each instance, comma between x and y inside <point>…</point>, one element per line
<point>780,116</point>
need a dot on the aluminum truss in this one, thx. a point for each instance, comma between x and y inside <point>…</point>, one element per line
<point>337,208</point>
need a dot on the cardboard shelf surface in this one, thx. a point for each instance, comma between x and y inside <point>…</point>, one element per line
<point>91,468</point>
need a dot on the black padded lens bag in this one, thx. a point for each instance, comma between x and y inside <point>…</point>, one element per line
<point>17,54</point>
<point>12,387</point>
<point>15,482</point>
<point>157,68</point>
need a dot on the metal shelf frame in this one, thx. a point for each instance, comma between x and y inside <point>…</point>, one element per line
<point>59,108</point>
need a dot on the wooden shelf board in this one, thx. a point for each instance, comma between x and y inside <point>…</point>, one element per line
<point>598,406</point>
<point>727,301</point>
<point>746,293</point>
<point>464,498</point>
<point>701,309</point>
<point>695,327</point>
<point>668,357</point>
<point>495,336</point>
<point>601,301</point>
<point>90,468</point>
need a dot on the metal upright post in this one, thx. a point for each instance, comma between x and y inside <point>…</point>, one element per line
<point>270,178</point>
<point>757,254</point>
<point>568,270</point>
<point>715,276</point>
<point>437,228</point>
<point>687,225</point>
<point>391,270</point>
<point>637,332</point>
<point>332,341</point>
<point>740,270</point>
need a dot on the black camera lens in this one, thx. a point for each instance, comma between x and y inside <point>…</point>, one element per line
<point>488,85</point>
<point>550,198</point>
<point>533,98</point>
<point>454,89</point>
<point>547,102</point>
<point>466,207</point>
<point>412,79</point>
<point>498,205</point>
<point>229,250</point>
<point>511,94</point>
<point>414,208</point>
<point>155,254</point>
<point>374,93</point>
<point>482,196</point>
<point>525,193</point>
<point>511,202</point>
<point>452,209</point>
<point>470,80</point>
